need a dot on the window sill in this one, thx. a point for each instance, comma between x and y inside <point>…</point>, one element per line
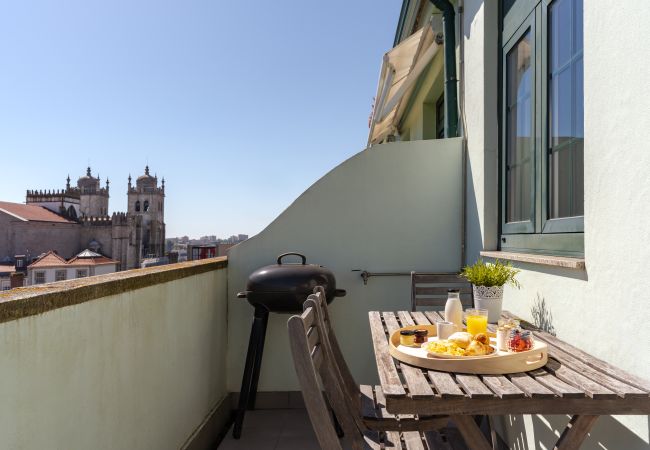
<point>547,260</point>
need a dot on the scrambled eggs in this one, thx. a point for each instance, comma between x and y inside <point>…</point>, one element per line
<point>445,347</point>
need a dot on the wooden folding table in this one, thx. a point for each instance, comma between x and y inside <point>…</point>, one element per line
<point>572,382</point>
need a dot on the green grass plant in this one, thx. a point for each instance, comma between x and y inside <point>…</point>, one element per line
<point>491,274</point>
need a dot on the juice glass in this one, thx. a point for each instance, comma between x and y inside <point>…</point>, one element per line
<point>477,320</point>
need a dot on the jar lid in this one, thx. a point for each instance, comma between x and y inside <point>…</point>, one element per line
<point>453,291</point>
<point>421,333</point>
<point>407,332</point>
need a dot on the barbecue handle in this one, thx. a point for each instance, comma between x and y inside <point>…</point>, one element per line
<point>304,260</point>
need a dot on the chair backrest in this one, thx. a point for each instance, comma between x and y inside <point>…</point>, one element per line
<point>430,289</point>
<point>347,381</point>
<point>311,360</point>
<point>339,368</point>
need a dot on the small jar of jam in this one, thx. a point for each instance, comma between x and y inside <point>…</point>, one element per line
<point>407,337</point>
<point>421,336</point>
<point>520,340</point>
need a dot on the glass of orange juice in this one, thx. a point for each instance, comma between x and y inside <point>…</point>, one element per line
<point>477,320</point>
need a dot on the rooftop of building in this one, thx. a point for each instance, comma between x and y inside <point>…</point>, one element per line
<point>7,269</point>
<point>49,259</point>
<point>85,258</point>
<point>33,213</point>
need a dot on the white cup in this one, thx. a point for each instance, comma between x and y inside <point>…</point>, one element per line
<point>445,329</point>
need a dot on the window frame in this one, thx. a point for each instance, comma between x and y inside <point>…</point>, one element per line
<point>525,226</point>
<point>58,272</point>
<point>40,273</point>
<point>84,271</point>
<point>574,224</point>
<point>561,236</point>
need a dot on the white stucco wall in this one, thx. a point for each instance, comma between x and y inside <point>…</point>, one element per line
<point>480,34</point>
<point>138,370</point>
<point>391,208</point>
<point>600,309</point>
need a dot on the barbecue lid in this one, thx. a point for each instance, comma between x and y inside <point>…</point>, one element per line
<point>290,277</point>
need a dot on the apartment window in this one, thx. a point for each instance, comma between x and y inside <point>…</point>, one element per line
<point>440,117</point>
<point>82,273</point>
<point>565,110</point>
<point>60,275</point>
<point>39,277</point>
<point>542,169</point>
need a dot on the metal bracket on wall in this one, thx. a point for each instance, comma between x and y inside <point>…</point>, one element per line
<point>365,274</point>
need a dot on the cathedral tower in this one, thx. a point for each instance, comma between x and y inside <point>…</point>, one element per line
<point>146,209</point>
<point>93,200</point>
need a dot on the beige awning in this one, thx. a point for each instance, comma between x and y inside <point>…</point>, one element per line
<point>399,72</point>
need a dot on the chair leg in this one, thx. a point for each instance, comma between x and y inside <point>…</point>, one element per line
<point>337,425</point>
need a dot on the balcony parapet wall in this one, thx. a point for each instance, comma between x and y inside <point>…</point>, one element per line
<point>32,300</point>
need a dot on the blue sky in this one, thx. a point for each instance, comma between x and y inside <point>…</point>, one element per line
<point>239,105</point>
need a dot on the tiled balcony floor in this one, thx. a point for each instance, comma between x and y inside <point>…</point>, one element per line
<point>274,429</point>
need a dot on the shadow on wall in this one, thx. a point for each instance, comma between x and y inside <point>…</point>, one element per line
<point>608,433</point>
<point>517,432</point>
<point>542,316</point>
<point>473,235</point>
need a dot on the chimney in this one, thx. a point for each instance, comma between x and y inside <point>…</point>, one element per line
<point>17,279</point>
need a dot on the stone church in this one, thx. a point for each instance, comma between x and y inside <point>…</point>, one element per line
<point>75,218</point>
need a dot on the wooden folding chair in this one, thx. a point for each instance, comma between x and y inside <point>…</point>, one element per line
<point>365,403</point>
<point>430,289</point>
<point>311,361</point>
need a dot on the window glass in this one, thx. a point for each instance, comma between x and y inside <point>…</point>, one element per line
<point>519,134</point>
<point>60,275</point>
<point>82,273</point>
<point>39,278</point>
<point>137,205</point>
<point>565,110</point>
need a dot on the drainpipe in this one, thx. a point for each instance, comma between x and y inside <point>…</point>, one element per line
<point>451,95</point>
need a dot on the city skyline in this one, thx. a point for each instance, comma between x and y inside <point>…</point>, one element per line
<point>210,106</point>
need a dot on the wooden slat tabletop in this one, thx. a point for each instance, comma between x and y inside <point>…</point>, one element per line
<point>572,382</point>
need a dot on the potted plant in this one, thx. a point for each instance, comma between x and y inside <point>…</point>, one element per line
<point>488,280</point>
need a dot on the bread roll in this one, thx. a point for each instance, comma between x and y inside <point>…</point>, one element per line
<point>476,348</point>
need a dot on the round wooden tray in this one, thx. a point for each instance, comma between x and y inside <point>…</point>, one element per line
<point>499,364</point>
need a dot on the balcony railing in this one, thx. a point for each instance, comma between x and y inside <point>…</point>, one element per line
<point>129,360</point>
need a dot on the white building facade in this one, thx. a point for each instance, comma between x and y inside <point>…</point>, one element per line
<point>50,267</point>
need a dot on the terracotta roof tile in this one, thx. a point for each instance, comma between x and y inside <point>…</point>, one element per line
<point>96,261</point>
<point>31,213</point>
<point>7,269</point>
<point>50,259</point>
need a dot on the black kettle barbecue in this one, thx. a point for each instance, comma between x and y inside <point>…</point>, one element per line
<point>278,288</point>
<point>283,288</point>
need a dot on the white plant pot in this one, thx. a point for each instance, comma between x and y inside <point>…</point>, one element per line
<point>490,298</point>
